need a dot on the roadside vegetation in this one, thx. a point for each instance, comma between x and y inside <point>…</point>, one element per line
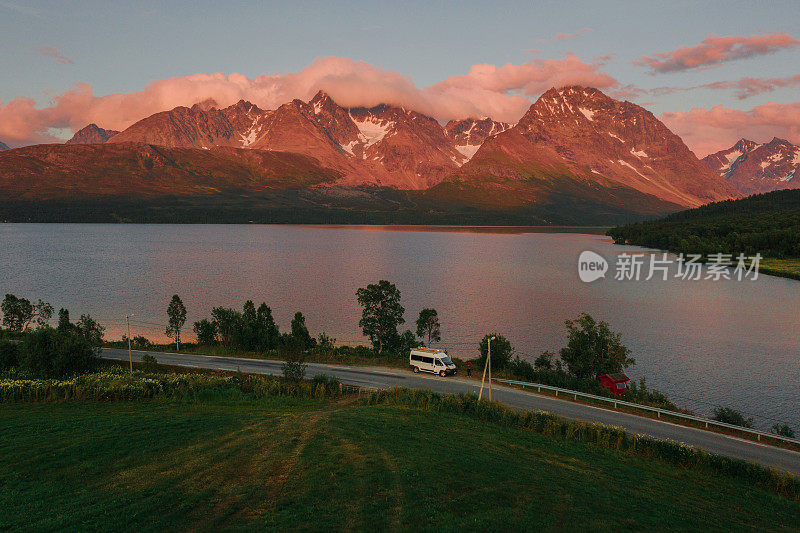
<point>768,224</point>
<point>35,350</point>
<point>206,450</point>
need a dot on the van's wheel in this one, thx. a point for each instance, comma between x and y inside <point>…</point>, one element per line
<point>441,373</point>
<point>416,370</point>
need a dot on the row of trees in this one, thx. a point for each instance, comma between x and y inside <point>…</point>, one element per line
<point>251,329</point>
<point>254,329</point>
<point>592,349</point>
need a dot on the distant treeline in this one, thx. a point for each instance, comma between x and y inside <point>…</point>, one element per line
<point>765,223</point>
<point>362,205</point>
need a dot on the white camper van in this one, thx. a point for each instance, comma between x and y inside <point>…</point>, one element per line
<point>431,360</point>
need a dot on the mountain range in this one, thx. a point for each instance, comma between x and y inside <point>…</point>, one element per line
<point>757,168</point>
<point>576,156</point>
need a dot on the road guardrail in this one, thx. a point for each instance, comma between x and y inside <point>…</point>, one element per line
<point>658,411</point>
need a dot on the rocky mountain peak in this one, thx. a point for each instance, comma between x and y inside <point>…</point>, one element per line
<point>755,168</point>
<point>91,134</point>
<point>469,134</point>
<point>602,139</point>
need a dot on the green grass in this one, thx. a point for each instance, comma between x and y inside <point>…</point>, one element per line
<point>312,464</point>
<point>787,268</point>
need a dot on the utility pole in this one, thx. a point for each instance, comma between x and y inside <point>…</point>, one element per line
<point>130,355</point>
<point>487,365</point>
<point>489,357</point>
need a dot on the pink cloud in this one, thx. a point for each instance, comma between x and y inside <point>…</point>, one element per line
<point>709,130</point>
<point>743,87</point>
<point>715,50</point>
<point>565,36</point>
<point>486,90</point>
<point>53,52</point>
<point>626,92</point>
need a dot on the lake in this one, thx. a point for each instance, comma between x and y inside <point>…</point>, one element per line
<point>703,343</point>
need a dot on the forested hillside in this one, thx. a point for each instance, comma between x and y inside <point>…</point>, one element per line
<point>765,223</point>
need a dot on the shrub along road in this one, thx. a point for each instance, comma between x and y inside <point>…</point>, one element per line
<point>380,378</point>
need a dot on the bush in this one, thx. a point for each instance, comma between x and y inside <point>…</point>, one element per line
<point>783,430</point>
<point>47,352</point>
<point>141,343</point>
<point>731,416</point>
<point>326,342</point>
<point>641,394</point>
<point>294,369</point>
<point>119,384</point>
<point>149,362</point>
<point>9,355</point>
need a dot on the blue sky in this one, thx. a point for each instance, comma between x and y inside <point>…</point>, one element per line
<point>120,47</point>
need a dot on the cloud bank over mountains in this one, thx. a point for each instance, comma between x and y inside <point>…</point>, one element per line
<point>502,92</point>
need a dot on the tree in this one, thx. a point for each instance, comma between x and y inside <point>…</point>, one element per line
<point>731,416</point>
<point>269,336</point>
<point>544,361</point>
<point>18,313</point>
<point>227,321</point>
<point>90,329</point>
<point>300,332</point>
<point>63,320</point>
<point>9,355</point>
<point>593,349</point>
<point>501,351</point>
<point>407,342</point>
<point>48,352</point>
<point>206,332</point>
<point>176,312</point>
<point>428,325</point>
<point>382,313</point>
<point>246,336</point>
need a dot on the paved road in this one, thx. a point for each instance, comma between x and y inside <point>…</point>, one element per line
<point>379,377</point>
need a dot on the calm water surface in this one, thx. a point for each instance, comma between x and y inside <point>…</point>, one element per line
<point>703,343</point>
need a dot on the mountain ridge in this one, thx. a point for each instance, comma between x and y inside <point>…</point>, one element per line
<point>575,148</point>
<point>758,167</point>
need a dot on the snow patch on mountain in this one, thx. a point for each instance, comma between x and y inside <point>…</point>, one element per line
<point>372,131</point>
<point>626,164</point>
<point>468,149</point>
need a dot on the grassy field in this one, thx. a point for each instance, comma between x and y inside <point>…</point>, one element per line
<point>312,464</point>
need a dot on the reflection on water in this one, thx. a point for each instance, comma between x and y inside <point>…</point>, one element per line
<point>506,230</point>
<point>704,343</point>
